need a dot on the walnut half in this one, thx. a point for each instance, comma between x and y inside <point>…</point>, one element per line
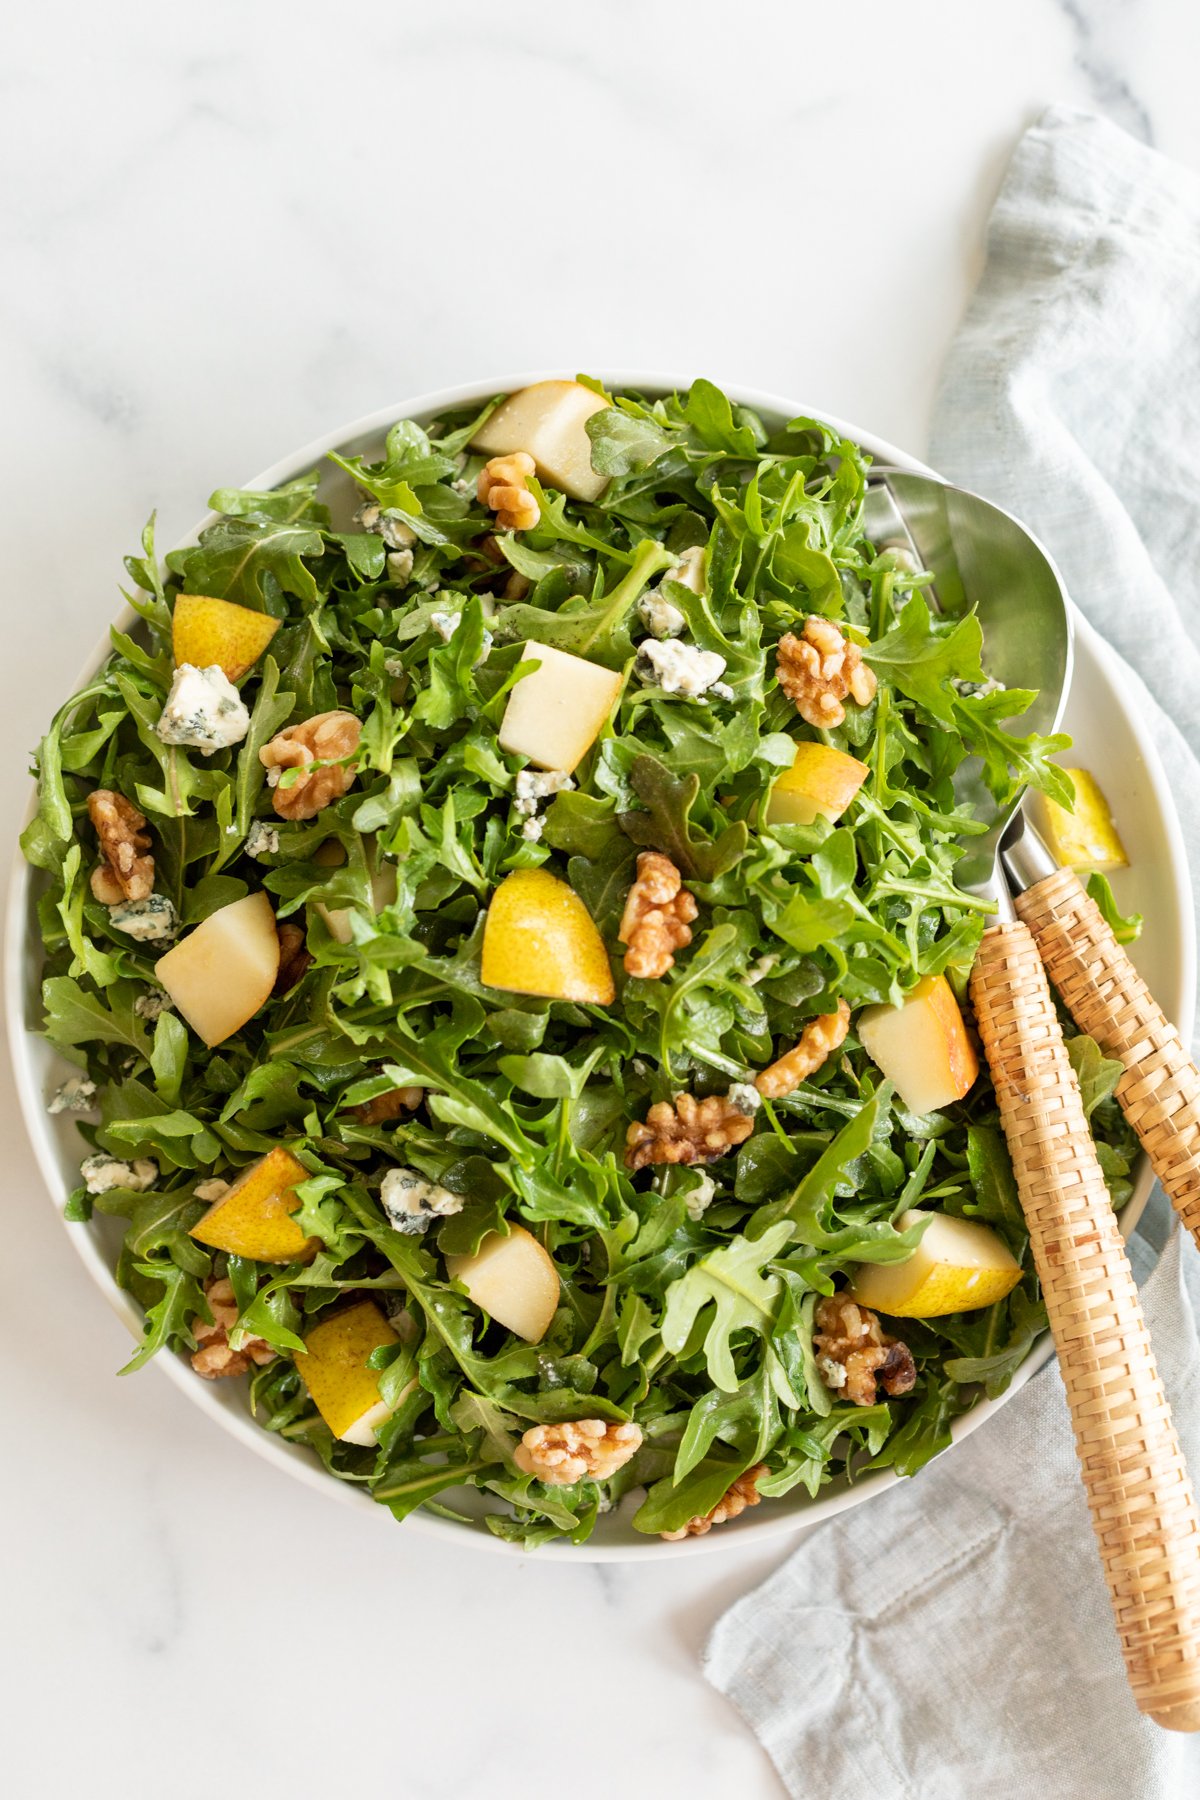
<point>320,749</point>
<point>854,1353</point>
<point>690,1131</point>
<point>818,1041</point>
<point>657,919</point>
<point>819,669</point>
<point>127,872</point>
<point>562,1454</point>
<point>503,486</point>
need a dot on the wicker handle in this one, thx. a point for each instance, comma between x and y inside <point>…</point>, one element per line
<point>1107,998</point>
<point>1143,1510</point>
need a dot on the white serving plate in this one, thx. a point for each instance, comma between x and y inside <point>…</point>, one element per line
<point>1109,739</point>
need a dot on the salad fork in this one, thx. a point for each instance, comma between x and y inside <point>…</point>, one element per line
<point>1142,1505</point>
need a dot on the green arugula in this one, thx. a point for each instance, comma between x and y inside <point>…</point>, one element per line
<point>683,1297</point>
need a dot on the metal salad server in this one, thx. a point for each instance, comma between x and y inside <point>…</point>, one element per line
<point>1143,1509</point>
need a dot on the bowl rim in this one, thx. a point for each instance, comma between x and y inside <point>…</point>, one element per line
<point>753,1528</point>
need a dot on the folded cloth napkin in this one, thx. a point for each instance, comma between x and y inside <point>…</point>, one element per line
<point>953,1639</point>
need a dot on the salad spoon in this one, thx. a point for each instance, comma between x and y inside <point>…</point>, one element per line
<point>1142,1505</point>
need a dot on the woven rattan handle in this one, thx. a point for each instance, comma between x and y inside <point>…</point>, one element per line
<point>1137,1485</point>
<point>1107,998</point>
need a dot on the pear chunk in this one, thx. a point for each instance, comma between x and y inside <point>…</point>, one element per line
<point>206,631</point>
<point>383,893</point>
<point>548,422</point>
<point>223,971</point>
<point>1086,838</point>
<point>334,1370</point>
<point>820,784</point>
<point>254,1218</point>
<point>555,714</point>
<point>922,1046</point>
<point>959,1266</point>
<point>539,938</point>
<point>513,1279</point>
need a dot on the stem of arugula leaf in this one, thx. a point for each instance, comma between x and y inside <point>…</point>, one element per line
<point>881,599</point>
<point>948,896</point>
<point>776,1127</point>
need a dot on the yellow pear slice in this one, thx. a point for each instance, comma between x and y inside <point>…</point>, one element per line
<point>922,1046</point>
<point>206,631</point>
<point>223,971</point>
<point>1086,838</point>
<point>820,784</point>
<point>959,1266</point>
<point>548,421</point>
<point>539,938</point>
<point>254,1218</point>
<point>555,714</point>
<point>334,1370</point>
<point>513,1280</point>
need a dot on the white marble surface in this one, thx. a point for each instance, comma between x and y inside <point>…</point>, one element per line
<point>223,229</point>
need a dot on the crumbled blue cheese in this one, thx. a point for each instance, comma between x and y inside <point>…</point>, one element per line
<point>153,1005</point>
<point>977,690</point>
<point>102,1172</point>
<point>745,1098</point>
<point>394,532</point>
<point>203,711</point>
<point>833,1374</point>
<point>538,784</point>
<point>211,1190</point>
<point>149,921</point>
<point>262,839</point>
<point>534,785</point>
<point>445,624</point>
<point>400,566</point>
<point>679,668</point>
<point>412,1203</point>
<point>76,1095</point>
<point>700,1198</point>
<point>661,617</point>
<point>393,666</point>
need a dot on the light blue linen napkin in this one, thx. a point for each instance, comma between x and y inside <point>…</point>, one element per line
<point>953,1639</point>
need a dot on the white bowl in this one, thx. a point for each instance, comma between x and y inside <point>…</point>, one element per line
<point>1110,740</point>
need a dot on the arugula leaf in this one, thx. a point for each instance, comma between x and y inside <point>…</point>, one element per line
<point>244,558</point>
<point>73,1016</point>
<point>921,658</point>
<point>598,631</point>
<point>666,824</point>
<point>624,443</point>
<point>743,1296</point>
<point>721,426</point>
<point>1125,927</point>
<point>1096,1073</point>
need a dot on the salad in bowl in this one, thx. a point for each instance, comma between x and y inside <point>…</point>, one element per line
<point>509,947</point>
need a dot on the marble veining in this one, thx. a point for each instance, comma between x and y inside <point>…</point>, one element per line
<point>1098,56</point>
<point>221,233</point>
